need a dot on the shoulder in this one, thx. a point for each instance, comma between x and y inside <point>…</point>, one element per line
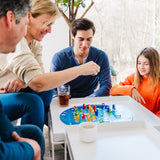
<point>22,45</point>
<point>22,50</point>
<point>95,52</point>
<point>65,52</point>
<point>98,56</point>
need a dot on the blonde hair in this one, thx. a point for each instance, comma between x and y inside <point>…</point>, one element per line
<point>44,7</point>
<point>154,61</point>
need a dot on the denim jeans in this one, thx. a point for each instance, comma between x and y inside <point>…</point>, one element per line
<point>46,97</point>
<point>21,149</point>
<point>27,106</point>
<point>32,132</point>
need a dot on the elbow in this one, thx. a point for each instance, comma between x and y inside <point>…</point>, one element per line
<point>111,92</point>
<point>37,87</point>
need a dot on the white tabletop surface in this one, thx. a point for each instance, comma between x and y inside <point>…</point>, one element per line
<point>126,102</point>
<point>134,140</point>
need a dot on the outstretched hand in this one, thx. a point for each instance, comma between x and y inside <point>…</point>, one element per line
<point>33,143</point>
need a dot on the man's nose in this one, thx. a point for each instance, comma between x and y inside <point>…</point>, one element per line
<point>84,43</point>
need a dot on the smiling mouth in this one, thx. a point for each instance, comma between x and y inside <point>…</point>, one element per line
<point>84,49</point>
<point>142,71</point>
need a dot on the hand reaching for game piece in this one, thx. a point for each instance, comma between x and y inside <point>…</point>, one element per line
<point>90,68</point>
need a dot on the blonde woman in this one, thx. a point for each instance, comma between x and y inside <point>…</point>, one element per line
<point>23,70</point>
<point>144,85</point>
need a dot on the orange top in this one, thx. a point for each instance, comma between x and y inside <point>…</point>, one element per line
<point>150,95</point>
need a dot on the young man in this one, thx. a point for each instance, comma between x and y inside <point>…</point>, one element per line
<point>13,22</point>
<point>82,52</point>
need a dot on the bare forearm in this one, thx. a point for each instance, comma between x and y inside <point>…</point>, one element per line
<point>52,80</point>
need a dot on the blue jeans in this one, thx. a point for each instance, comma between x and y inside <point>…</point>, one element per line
<point>27,106</point>
<point>9,148</point>
<point>46,97</point>
<point>32,132</point>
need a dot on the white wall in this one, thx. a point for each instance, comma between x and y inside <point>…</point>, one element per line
<point>55,41</point>
<point>123,28</point>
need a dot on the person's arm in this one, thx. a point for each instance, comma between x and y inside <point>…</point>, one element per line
<point>137,96</point>
<point>123,88</point>
<point>127,88</point>
<point>26,67</point>
<point>52,80</point>
<point>104,78</point>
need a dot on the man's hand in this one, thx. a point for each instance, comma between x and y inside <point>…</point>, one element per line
<point>14,85</point>
<point>137,96</point>
<point>89,68</point>
<point>33,143</point>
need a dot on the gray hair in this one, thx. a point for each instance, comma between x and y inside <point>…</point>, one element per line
<point>20,8</point>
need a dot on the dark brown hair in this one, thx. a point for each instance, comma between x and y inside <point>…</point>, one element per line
<point>82,24</point>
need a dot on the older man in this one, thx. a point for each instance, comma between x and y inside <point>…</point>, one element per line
<point>13,22</point>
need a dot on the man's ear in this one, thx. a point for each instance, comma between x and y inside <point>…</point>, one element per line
<point>10,18</point>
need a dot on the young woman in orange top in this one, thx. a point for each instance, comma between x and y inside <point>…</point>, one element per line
<point>144,85</point>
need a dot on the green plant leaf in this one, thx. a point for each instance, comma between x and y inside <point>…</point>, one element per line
<point>83,4</point>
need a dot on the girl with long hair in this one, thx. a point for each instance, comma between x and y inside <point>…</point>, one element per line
<point>144,85</point>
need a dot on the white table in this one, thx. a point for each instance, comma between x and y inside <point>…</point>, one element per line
<point>58,128</point>
<point>133,140</point>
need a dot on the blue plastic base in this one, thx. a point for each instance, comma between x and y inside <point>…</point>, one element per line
<point>101,114</point>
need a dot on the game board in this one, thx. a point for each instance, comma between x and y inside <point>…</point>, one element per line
<point>99,113</point>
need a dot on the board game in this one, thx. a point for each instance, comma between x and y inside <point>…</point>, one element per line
<point>99,113</point>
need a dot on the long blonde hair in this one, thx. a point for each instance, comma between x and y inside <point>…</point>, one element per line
<point>44,7</point>
<point>154,61</point>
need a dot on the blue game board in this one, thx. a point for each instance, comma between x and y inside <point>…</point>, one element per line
<point>99,113</point>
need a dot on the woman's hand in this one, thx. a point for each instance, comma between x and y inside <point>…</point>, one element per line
<point>135,95</point>
<point>89,68</point>
<point>14,85</point>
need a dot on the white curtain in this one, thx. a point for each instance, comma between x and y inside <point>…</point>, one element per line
<point>123,28</point>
